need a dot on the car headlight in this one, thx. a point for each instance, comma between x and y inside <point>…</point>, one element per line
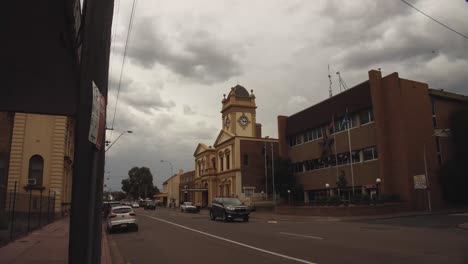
<point>230,208</point>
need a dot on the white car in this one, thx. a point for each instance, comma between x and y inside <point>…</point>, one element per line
<point>188,207</point>
<point>121,217</point>
<point>135,205</point>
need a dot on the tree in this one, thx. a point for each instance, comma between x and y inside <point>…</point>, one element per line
<point>341,183</point>
<point>453,173</point>
<point>139,183</point>
<point>285,180</point>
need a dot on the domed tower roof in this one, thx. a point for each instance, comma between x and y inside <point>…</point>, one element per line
<point>240,91</point>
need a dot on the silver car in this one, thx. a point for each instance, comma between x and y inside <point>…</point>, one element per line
<point>188,207</point>
<point>121,217</point>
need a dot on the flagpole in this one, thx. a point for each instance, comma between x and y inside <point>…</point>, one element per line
<point>334,145</point>
<point>350,149</point>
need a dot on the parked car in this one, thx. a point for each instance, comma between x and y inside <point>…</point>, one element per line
<point>228,209</point>
<point>135,205</point>
<point>121,217</point>
<point>188,207</point>
<point>150,206</point>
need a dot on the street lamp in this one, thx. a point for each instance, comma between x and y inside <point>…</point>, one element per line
<point>289,197</point>
<point>328,189</point>
<point>128,131</point>
<point>442,133</point>
<point>170,189</point>
<point>377,183</point>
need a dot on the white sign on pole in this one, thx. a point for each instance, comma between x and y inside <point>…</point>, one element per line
<point>98,118</point>
<point>420,181</point>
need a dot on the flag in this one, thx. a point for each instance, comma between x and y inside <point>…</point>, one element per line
<point>331,126</point>
<point>344,121</point>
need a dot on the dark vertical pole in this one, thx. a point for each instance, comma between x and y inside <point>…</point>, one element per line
<point>88,170</point>
<point>53,207</point>
<point>48,208</point>
<point>12,231</point>
<point>29,211</point>
<point>40,210</point>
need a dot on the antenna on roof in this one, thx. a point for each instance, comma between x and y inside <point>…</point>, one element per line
<point>330,92</point>
<point>342,82</point>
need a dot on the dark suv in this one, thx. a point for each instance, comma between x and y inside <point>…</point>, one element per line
<point>228,209</point>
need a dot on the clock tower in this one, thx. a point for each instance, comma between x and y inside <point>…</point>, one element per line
<point>238,112</point>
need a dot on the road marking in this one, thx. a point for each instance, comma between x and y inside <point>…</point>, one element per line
<point>272,222</point>
<point>232,241</point>
<point>291,234</point>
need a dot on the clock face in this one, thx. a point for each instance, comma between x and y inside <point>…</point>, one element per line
<point>243,121</point>
<point>228,122</point>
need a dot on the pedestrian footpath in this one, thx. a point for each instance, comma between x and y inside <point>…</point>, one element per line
<point>46,245</point>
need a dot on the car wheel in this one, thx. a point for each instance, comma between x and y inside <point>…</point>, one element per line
<point>212,216</point>
<point>109,230</point>
<point>135,228</point>
<point>246,219</point>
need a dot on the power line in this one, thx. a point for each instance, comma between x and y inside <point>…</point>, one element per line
<point>129,31</point>
<point>435,20</point>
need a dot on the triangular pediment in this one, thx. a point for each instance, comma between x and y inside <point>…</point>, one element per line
<point>223,136</point>
<point>200,148</point>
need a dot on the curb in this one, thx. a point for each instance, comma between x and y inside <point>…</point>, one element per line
<point>105,250</point>
<point>383,217</point>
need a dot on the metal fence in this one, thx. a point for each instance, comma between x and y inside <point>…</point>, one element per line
<point>25,210</point>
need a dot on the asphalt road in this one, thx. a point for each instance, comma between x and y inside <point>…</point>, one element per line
<point>168,236</point>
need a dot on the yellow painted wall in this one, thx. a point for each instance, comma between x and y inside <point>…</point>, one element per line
<point>43,135</point>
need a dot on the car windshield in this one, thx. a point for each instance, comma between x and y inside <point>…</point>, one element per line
<point>188,203</point>
<point>231,201</point>
<point>121,210</point>
<point>114,204</point>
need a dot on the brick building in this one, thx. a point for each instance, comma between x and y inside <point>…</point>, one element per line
<point>235,164</point>
<point>391,122</point>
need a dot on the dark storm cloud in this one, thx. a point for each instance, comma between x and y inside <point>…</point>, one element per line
<point>391,35</point>
<point>202,58</point>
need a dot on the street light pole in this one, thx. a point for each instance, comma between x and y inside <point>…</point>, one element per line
<point>128,131</point>
<point>442,133</point>
<point>172,173</point>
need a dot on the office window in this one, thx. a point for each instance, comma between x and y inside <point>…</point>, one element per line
<point>221,163</point>
<point>439,150</point>
<point>246,160</point>
<point>299,139</point>
<point>36,169</point>
<point>364,117</point>
<point>356,156</point>
<point>369,153</point>
<point>319,132</point>
<point>213,162</point>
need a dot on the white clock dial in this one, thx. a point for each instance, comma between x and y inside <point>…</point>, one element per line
<point>243,120</point>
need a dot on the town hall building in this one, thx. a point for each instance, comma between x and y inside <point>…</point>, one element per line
<point>237,164</point>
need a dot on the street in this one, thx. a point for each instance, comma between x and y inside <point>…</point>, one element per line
<point>168,236</point>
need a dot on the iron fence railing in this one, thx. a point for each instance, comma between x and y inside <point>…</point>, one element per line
<point>25,210</point>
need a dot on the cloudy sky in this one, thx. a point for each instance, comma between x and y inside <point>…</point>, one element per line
<point>183,56</point>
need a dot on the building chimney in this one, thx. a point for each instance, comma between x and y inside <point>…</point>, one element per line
<point>258,130</point>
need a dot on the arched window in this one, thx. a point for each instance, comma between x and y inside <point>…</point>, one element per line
<point>36,170</point>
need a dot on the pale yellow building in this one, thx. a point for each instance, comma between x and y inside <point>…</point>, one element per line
<point>235,164</point>
<point>41,157</point>
<point>170,195</point>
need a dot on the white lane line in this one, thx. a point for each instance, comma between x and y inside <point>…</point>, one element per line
<point>232,241</point>
<point>291,234</point>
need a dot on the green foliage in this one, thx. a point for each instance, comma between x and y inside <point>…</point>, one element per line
<point>285,180</point>
<point>342,182</point>
<point>139,183</point>
<point>334,200</point>
<point>453,173</point>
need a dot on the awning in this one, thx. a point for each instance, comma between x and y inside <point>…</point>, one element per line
<point>195,190</point>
